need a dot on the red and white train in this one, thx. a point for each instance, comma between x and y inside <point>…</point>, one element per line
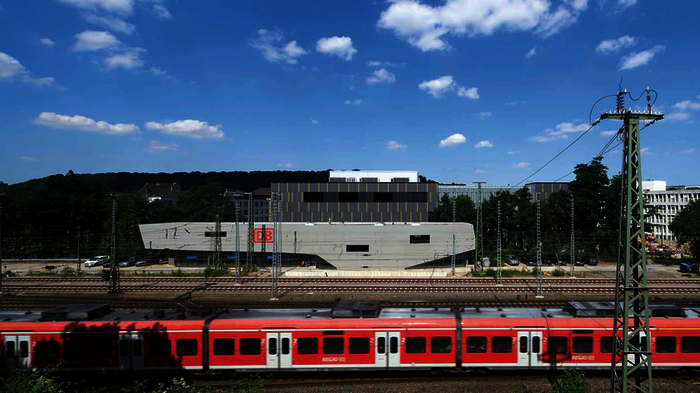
<point>357,336</point>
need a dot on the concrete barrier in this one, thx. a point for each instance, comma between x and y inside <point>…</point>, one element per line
<point>365,273</point>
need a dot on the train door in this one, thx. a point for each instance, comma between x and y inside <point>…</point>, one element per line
<point>387,349</point>
<point>130,352</point>
<point>529,349</point>
<point>17,352</point>
<point>279,350</point>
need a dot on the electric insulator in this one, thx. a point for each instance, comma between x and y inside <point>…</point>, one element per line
<point>620,102</point>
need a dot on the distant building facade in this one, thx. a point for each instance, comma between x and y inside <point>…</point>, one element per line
<point>472,191</point>
<point>667,202</point>
<point>374,176</point>
<point>168,192</point>
<point>545,189</point>
<point>260,206</point>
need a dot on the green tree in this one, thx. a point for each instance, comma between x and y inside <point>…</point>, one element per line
<point>203,203</point>
<point>686,227</point>
<point>594,205</point>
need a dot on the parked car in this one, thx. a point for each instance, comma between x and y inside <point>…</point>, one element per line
<point>592,262</point>
<point>512,261</point>
<point>147,261</point>
<point>578,263</point>
<point>131,261</point>
<point>548,261</point>
<point>96,261</point>
<point>531,262</point>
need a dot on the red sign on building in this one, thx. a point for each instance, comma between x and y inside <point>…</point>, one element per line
<point>267,237</point>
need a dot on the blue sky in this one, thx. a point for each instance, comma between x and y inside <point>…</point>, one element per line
<point>460,90</point>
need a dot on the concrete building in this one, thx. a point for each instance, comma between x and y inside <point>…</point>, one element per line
<point>260,207</point>
<point>454,190</point>
<point>169,192</point>
<point>373,246</point>
<point>545,189</point>
<point>356,196</point>
<point>667,202</point>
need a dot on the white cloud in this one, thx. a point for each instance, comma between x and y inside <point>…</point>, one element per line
<point>124,7</point>
<point>687,105</point>
<point>678,116</point>
<point>129,59</point>
<point>27,158</point>
<point>485,115</point>
<point>379,63</point>
<point>160,147</point>
<point>483,144</point>
<point>286,165</point>
<point>381,76</point>
<point>453,140</point>
<point>83,123</point>
<point>11,70</point>
<point>117,25</point>
<point>521,165</point>
<point>513,152</point>
<point>161,11</point>
<point>687,151</point>
<point>472,93</point>
<point>46,41</point>
<point>634,60</point>
<point>614,45</point>
<point>90,41</point>
<point>645,151</point>
<point>426,26</point>
<point>516,102</point>
<point>269,43</point>
<point>561,131</point>
<point>479,171</point>
<point>353,102</point>
<point>532,52</point>
<point>626,3</point>
<point>336,46</point>
<point>194,129</point>
<point>314,121</point>
<point>438,87</point>
<point>608,133</point>
<point>394,146</point>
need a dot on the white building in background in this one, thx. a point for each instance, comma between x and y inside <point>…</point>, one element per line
<point>374,176</point>
<point>668,201</point>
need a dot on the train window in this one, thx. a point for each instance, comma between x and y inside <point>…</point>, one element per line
<point>333,345</point>
<point>440,344</point>
<point>250,346</point>
<point>124,348</point>
<point>307,346</point>
<point>186,347</point>
<point>536,344</point>
<point>476,344</point>
<point>272,346</point>
<point>101,348</point>
<point>523,344</point>
<point>381,345</point>
<point>24,349</point>
<point>10,349</point>
<point>394,345</point>
<point>358,345</point>
<point>665,344</point>
<point>582,344</point>
<point>606,345</point>
<point>285,346</point>
<point>158,347</point>
<point>690,344</point>
<point>74,348</point>
<point>415,344</point>
<point>138,347</point>
<point>224,346</point>
<point>558,345</point>
<point>502,345</point>
<point>46,349</point>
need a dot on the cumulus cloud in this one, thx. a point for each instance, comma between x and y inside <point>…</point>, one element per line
<point>513,152</point>
<point>194,129</point>
<point>531,53</point>
<point>472,93</point>
<point>286,165</point>
<point>521,165</point>
<point>124,7</point>
<point>645,151</point>
<point>677,116</point>
<point>381,76</point>
<point>485,115</point>
<point>336,46</point>
<point>634,60</point>
<point>479,171</point>
<point>160,147</point>
<point>91,41</point>
<point>379,63</point>
<point>438,87</point>
<point>427,27</point>
<point>46,41</point>
<point>453,140</point>
<point>83,123</point>
<point>608,133</point>
<point>626,3</point>
<point>11,70</point>
<point>394,146</point>
<point>161,11</point>
<point>314,121</point>
<point>614,45</point>
<point>270,44</point>
<point>687,105</point>
<point>128,59</point>
<point>117,25</point>
<point>561,131</point>
<point>353,102</point>
<point>27,158</point>
<point>483,144</point>
<point>687,151</point>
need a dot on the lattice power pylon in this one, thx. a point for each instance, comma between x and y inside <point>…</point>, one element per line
<point>275,243</point>
<point>217,244</point>
<point>573,240</point>
<point>478,264</point>
<point>114,282</point>
<point>538,292</point>
<point>498,274</point>
<point>238,246</point>
<point>631,362</point>
<point>454,235</point>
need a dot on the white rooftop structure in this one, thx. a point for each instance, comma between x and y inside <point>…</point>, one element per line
<point>654,185</point>
<point>374,176</point>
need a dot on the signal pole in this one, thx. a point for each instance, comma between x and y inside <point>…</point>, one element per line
<point>631,343</point>
<point>115,282</point>
<point>572,248</point>
<point>538,294</point>
<point>238,248</point>
<point>77,266</point>
<point>454,235</point>
<point>275,215</point>
<point>217,244</point>
<point>251,228</point>
<point>2,273</point>
<point>478,265</point>
<point>498,276</point>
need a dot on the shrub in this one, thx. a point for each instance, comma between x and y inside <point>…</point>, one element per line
<point>557,272</point>
<point>571,382</point>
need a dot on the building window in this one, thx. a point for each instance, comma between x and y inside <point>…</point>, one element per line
<point>369,180</point>
<point>213,234</point>
<point>337,180</point>
<point>314,197</point>
<point>419,239</point>
<point>400,180</point>
<point>357,248</point>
